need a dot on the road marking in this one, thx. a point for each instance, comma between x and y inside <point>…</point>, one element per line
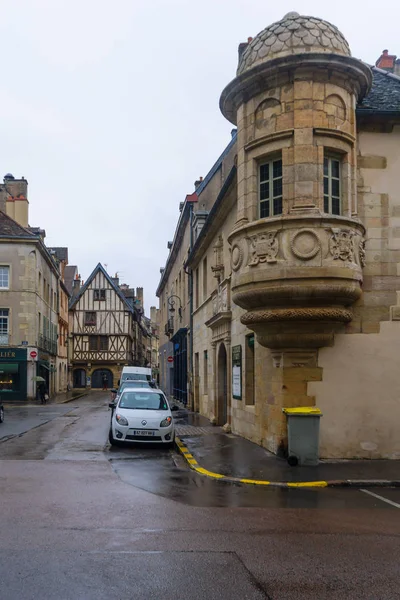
<point>381,498</point>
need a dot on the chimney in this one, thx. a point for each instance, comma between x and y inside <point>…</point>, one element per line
<point>198,182</point>
<point>76,285</point>
<point>139,296</point>
<point>386,61</point>
<point>153,314</point>
<point>242,47</point>
<point>115,279</point>
<point>17,205</point>
<point>169,245</point>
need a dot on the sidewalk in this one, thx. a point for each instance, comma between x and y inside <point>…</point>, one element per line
<point>61,398</point>
<point>227,457</point>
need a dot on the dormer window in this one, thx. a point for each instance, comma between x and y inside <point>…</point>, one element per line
<point>270,188</point>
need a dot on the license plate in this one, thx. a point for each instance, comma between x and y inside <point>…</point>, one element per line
<point>143,432</point>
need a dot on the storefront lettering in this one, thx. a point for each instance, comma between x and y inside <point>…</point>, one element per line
<point>7,354</point>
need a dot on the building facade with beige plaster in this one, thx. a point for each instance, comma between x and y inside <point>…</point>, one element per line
<point>295,268</point>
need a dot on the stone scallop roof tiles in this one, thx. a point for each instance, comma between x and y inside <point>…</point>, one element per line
<point>294,34</point>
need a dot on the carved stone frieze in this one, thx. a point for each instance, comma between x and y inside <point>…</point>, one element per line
<point>341,244</point>
<point>305,244</point>
<point>218,267</point>
<point>263,248</point>
<point>237,256</point>
<point>343,315</point>
<point>361,249</point>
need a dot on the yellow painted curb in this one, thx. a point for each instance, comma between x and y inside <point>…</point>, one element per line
<point>302,484</point>
<point>193,464</point>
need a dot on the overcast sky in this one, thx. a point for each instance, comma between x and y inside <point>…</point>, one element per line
<point>110,110</point>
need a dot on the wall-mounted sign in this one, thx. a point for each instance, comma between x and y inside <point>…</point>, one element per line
<point>170,359</point>
<point>237,372</point>
<point>33,354</point>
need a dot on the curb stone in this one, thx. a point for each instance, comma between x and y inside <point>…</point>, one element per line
<point>72,399</point>
<point>352,483</point>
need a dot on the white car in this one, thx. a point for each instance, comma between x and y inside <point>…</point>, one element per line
<point>142,415</point>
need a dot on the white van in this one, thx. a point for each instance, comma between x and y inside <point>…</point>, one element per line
<point>136,374</point>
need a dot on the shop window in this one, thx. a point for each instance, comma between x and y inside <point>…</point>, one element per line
<point>90,318</point>
<point>332,184</point>
<point>99,294</point>
<point>270,188</point>
<point>4,326</point>
<point>4,277</point>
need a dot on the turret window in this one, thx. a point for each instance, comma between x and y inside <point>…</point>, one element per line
<point>270,188</point>
<point>332,187</point>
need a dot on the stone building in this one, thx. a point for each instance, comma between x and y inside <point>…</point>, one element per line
<point>28,311</point>
<point>103,326</point>
<point>295,263</point>
<point>60,255</point>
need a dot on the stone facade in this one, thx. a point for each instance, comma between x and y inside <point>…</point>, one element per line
<point>295,269</point>
<point>31,303</point>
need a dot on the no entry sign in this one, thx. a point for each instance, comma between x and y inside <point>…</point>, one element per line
<point>170,359</point>
<point>33,354</point>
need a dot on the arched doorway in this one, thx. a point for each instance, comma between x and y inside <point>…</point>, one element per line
<point>222,391</point>
<point>97,378</point>
<point>79,378</point>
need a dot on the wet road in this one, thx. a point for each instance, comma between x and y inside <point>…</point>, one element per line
<point>79,519</point>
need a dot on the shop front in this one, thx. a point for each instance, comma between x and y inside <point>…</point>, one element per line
<point>13,374</point>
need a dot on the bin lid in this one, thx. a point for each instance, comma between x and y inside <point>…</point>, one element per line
<point>303,411</point>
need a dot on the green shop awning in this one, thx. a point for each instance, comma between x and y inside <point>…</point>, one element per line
<point>8,368</point>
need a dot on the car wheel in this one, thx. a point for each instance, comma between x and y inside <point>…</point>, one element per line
<point>112,439</point>
<point>1,415</point>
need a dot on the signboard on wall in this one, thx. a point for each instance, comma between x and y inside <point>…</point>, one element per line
<point>237,372</point>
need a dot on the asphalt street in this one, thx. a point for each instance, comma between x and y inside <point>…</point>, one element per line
<point>81,520</point>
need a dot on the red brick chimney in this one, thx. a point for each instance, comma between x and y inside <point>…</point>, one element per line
<point>386,61</point>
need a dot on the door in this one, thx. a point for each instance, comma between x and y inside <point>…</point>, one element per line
<point>79,378</point>
<point>98,378</point>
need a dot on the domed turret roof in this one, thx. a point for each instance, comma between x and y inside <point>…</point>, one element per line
<point>294,34</point>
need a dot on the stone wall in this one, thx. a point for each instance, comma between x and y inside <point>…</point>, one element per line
<point>359,395</point>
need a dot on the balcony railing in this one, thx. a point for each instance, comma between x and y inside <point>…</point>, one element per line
<point>4,339</point>
<point>47,344</point>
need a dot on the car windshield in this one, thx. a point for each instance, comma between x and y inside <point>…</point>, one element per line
<point>135,377</point>
<point>143,401</point>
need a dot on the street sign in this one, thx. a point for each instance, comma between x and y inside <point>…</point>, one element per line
<point>170,359</point>
<point>24,343</point>
<point>33,354</point>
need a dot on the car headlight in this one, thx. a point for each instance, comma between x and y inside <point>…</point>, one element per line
<point>166,422</point>
<point>121,420</point>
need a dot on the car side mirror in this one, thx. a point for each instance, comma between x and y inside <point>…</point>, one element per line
<point>174,407</point>
<point>111,405</point>
<point>114,391</point>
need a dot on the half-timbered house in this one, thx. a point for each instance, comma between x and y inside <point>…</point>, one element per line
<point>102,326</point>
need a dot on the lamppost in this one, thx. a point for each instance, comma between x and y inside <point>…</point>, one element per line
<point>171,305</point>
